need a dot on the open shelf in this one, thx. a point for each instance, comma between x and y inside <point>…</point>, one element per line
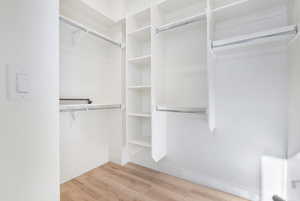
<point>280,34</point>
<point>238,8</point>
<point>139,101</point>
<point>138,47</point>
<point>141,34</point>
<point>139,131</point>
<point>139,75</point>
<point>139,20</point>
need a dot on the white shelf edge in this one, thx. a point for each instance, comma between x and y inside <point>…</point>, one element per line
<point>134,59</point>
<point>139,115</point>
<point>140,143</point>
<point>288,30</point>
<point>140,87</point>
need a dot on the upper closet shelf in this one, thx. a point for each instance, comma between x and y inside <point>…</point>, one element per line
<point>243,7</point>
<point>83,12</point>
<point>88,107</point>
<point>89,31</point>
<point>283,33</point>
<point>182,22</point>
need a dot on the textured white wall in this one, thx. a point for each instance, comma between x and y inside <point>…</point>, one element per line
<point>29,136</point>
<point>294,127</point>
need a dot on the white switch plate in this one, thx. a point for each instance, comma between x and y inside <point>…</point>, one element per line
<point>22,83</point>
<point>18,83</point>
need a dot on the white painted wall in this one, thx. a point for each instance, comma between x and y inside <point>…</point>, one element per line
<point>294,110</point>
<point>294,127</point>
<point>89,67</point>
<point>29,130</point>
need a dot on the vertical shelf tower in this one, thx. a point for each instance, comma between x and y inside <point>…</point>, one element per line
<point>138,73</point>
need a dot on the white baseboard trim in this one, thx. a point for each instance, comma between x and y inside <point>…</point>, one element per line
<point>224,186</point>
<point>205,181</point>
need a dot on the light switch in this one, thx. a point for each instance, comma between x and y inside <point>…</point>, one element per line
<point>22,85</point>
<point>18,83</point>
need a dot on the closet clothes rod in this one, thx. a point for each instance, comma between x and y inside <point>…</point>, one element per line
<point>89,31</point>
<point>180,23</point>
<point>181,110</point>
<point>84,108</point>
<point>89,101</point>
<point>287,30</point>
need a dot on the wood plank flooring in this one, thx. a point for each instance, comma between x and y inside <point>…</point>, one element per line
<point>112,182</point>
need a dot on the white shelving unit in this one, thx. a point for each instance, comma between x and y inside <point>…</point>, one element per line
<point>138,34</point>
<point>153,71</point>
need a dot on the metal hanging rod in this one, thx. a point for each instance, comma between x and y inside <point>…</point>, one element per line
<point>89,31</point>
<point>288,30</point>
<point>89,101</point>
<point>83,108</point>
<point>181,110</point>
<point>181,23</point>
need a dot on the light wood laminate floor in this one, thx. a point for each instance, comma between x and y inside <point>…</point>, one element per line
<point>112,182</point>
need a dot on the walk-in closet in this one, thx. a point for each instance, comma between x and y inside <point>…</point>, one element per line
<point>186,88</point>
<point>150,100</point>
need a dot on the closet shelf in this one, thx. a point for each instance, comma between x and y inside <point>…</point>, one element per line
<point>140,87</point>
<point>88,107</point>
<point>283,33</point>
<point>181,109</point>
<point>182,22</point>
<point>140,60</point>
<point>243,7</point>
<point>74,8</point>
<point>142,34</point>
<point>139,115</point>
<point>88,30</point>
<point>140,143</point>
